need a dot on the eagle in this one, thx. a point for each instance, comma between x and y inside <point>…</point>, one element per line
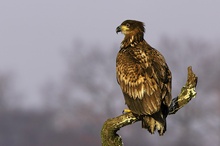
<point>144,77</point>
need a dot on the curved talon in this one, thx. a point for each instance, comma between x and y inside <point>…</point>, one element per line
<point>126,111</point>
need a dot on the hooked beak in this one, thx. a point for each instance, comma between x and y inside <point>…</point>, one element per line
<point>118,29</point>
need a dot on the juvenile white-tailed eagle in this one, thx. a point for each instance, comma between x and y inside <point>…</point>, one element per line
<point>144,77</point>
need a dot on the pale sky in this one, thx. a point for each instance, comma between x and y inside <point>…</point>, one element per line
<point>33,34</point>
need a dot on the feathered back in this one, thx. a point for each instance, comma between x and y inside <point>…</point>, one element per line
<point>144,77</point>
<point>143,74</point>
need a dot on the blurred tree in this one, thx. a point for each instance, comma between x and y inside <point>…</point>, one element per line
<point>10,98</point>
<point>88,94</point>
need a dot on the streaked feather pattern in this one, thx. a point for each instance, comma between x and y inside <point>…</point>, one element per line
<point>145,79</point>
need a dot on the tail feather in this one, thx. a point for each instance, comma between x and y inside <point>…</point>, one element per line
<point>148,122</point>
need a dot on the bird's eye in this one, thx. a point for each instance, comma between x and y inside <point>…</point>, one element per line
<point>128,25</point>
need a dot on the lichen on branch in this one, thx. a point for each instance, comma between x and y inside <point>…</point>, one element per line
<point>109,130</point>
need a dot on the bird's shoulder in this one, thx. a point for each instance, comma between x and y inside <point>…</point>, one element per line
<point>141,53</point>
<point>143,68</point>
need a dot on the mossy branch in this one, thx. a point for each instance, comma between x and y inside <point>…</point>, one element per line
<point>111,126</point>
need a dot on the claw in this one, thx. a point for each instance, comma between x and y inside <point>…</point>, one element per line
<point>126,111</point>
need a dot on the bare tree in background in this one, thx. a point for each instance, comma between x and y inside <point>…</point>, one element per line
<point>91,94</point>
<point>10,98</point>
<point>200,116</point>
<point>88,94</point>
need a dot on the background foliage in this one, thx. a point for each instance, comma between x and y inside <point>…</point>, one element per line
<point>74,109</point>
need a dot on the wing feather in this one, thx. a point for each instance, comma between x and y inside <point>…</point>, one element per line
<point>144,78</point>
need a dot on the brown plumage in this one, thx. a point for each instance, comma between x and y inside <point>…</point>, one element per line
<point>144,77</point>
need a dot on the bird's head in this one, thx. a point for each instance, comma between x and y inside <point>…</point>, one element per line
<point>131,27</point>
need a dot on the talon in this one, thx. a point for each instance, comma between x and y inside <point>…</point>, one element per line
<point>126,111</point>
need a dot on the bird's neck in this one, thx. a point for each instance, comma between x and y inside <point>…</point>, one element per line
<point>132,40</point>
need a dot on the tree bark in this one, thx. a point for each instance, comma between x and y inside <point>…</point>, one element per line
<point>111,126</point>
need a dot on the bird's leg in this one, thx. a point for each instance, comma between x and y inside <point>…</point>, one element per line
<point>126,111</point>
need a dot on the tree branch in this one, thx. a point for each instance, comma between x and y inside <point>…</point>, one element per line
<point>111,126</point>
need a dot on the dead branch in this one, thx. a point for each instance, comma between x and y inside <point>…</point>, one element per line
<point>111,126</point>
